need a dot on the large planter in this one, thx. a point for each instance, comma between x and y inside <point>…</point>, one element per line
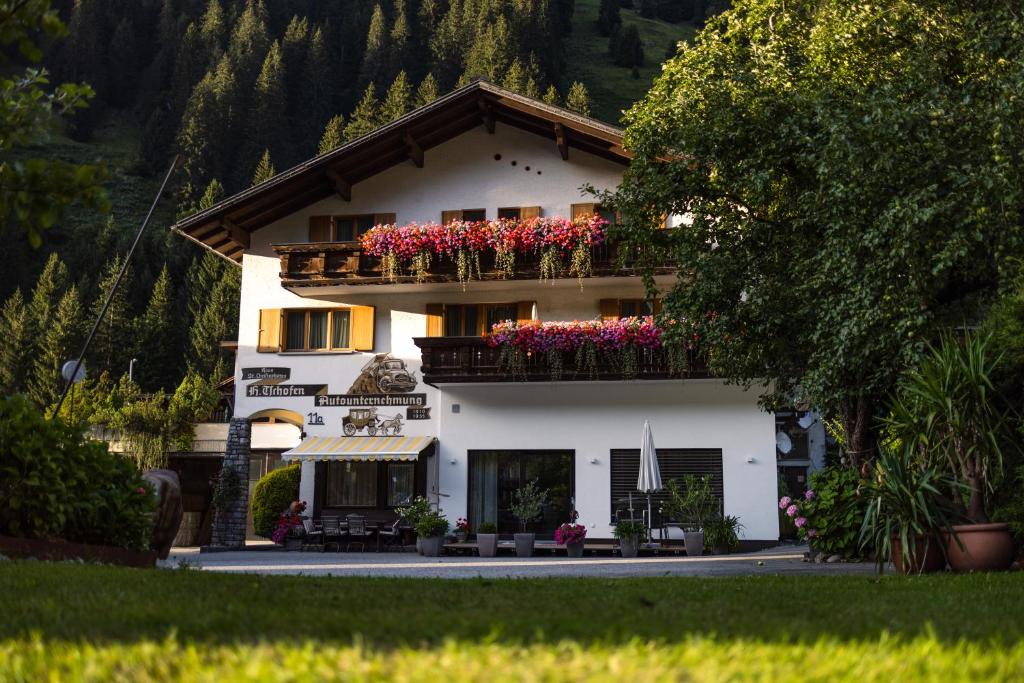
<point>629,547</point>
<point>419,545</point>
<point>293,543</point>
<point>574,549</point>
<point>524,544</point>
<point>487,544</point>
<point>986,548</point>
<point>694,542</point>
<point>929,557</point>
<point>432,545</point>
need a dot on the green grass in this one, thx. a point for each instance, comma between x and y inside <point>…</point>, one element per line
<point>72,622</point>
<point>613,88</point>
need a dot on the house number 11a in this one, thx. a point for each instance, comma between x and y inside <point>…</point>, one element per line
<point>315,418</point>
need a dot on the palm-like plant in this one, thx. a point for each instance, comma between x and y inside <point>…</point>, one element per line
<point>948,413</point>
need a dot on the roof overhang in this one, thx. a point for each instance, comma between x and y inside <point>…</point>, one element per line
<point>226,226</point>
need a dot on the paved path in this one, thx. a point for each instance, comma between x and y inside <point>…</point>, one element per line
<point>787,560</point>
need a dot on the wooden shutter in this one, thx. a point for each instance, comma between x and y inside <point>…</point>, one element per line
<point>583,210</point>
<point>609,309</point>
<point>435,320</point>
<point>529,212</point>
<point>525,311</point>
<point>270,331</point>
<point>449,216</point>
<point>361,334</point>
<point>384,219</point>
<point>320,228</point>
<point>656,306</point>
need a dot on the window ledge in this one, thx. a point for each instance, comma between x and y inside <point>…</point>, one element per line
<point>317,353</point>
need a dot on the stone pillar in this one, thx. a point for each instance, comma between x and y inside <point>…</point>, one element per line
<point>229,525</point>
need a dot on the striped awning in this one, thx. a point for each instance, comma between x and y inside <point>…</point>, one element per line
<point>369,448</point>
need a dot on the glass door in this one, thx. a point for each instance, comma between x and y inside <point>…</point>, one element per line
<point>494,477</point>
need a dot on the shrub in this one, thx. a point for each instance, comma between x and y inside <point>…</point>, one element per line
<point>487,528</point>
<point>432,524</point>
<point>628,529</point>
<point>272,496</point>
<point>528,503</point>
<point>831,512</point>
<point>57,484</point>
<point>722,534</point>
<point>415,511</point>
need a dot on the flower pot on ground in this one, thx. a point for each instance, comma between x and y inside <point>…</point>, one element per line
<point>981,548</point>
<point>527,506</point>
<point>693,541</point>
<point>433,546</point>
<point>574,549</point>
<point>461,530</point>
<point>487,539</point>
<point>571,535</point>
<point>928,556</point>
<point>431,530</point>
<point>629,534</point>
<point>696,506</point>
<point>721,535</point>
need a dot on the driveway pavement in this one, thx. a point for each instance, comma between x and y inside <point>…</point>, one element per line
<point>785,560</point>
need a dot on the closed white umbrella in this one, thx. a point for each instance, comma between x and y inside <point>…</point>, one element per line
<point>649,480</point>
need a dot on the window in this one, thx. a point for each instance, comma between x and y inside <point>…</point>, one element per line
<point>317,329</point>
<point>473,320</point>
<point>519,212</point>
<point>352,484</point>
<point>673,463</point>
<point>349,228</point>
<point>580,210</point>
<point>344,228</point>
<point>463,215</point>
<point>796,444</point>
<point>512,213</point>
<point>612,309</point>
<point>401,483</point>
<point>495,476</point>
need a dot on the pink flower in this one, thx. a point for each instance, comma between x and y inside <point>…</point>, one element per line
<point>810,495</point>
<point>800,522</point>
<point>784,502</point>
<point>141,491</point>
<point>792,510</point>
<point>812,533</point>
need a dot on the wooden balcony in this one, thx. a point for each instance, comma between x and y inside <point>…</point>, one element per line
<point>329,264</point>
<point>448,360</point>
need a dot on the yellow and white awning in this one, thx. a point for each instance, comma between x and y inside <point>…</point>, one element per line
<point>370,448</point>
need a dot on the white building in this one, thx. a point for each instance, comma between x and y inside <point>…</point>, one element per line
<point>324,335</point>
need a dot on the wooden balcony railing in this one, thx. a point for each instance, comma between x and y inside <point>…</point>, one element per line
<point>321,264</point>
<point>448,360</point>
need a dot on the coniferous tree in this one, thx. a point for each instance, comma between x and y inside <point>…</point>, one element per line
<point>112,346</point>
<point>207,136</point>
<point>123,68</point>
<point>398,100</point>
<point>400,47</point>
<point>317,90</point>
<point>159,342</point>
<point>515,77</point>
<point>217,322</point>
<point>448,45</point>
<point>608,17</point>
<point>578,99</point>
<point>427,91</point>
<point>491,52</point>
<point>213,28</point>
<point>50,286</point>
<point>202,277</point>
<point>376,59</point>
<point>552,97</point>
<point>629,48</point>
<point>366,116</point>
<point>532,89</point>
<point>334,135</point>
<point>267,117</point>
<point>59,340</point>
<point>264,169</point>
<point>16,351</point>
<point>294,47</point>
<point>190,65</point>
<point>249,43</point>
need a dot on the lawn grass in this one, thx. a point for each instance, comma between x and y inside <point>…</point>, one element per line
<point>613,88</point>
<point>72,622</point>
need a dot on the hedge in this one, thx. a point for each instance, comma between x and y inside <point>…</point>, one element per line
<point>272,495</point>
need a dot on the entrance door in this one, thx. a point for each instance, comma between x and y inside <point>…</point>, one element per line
<point>494,477</point>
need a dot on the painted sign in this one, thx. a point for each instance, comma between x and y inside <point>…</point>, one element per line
<point>284,390</point>
<point>384,374</point>
<point>364,400</point>
<point>412,413</point>
<point>359,419</point>
<point>266,375</point>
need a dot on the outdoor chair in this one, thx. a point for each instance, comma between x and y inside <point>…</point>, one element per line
<point>314,537</point>
<point>391,536</point>
<point>333,533</point>
<point>357,532</point>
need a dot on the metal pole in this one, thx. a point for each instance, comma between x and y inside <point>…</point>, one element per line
<point>117,282</point>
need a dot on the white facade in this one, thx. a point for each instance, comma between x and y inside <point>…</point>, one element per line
<point>587,418</point>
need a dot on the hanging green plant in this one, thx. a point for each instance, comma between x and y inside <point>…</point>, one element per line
<point>581,263</point>
<point>586,359</point>
<point>505,263</point>
<point>550,263</point>
<point>421,265</point>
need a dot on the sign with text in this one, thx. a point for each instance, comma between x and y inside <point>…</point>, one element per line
<point>369,400</point>
<point>412,413</point>
<point>284,390</point>
<point>266,374</point>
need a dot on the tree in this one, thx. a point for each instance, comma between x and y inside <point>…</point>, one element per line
<point>50,287</point>
<point>36,191</point>
<point>249,43</point>
<point>294,48</point>
<point>267,124</point>
<point>213,29</point>
<point>578,99</point>
<point>848,200</point>
<point>334,135</point>
<point>16,351</point>
<point>217,322</point>
<point>376,58</point>
<point>317,88</point>
<point>627,48</point>
<point>400,45</point>
<point>159,339</point>
<point>112,346</point>
<point>427,92</point>
<point>515,77</point>
<point>206,136</point>
<point>365,117</point>
<point>398,99</point>
<point>608,17</point>
<point>552,97</point>
<point>264,170</point>
<point>60,339</point>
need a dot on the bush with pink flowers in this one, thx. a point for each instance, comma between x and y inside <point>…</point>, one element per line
<point>829,514</point>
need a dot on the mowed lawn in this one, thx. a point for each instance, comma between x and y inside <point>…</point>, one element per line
<point>79,622</point>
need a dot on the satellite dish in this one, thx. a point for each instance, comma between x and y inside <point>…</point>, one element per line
<point>806,420</point>
<point>783,442</point>
<point>69,367</point>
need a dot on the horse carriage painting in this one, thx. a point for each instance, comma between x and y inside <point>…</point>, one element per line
<point>359,419</point>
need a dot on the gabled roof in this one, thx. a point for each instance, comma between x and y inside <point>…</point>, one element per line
<point>225,227</point>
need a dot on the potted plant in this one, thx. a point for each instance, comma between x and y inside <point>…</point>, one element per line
<point>487,539</point>
<point>629,534</point>
<point>431,529</point>
<point>411,515</point>
<point>694,507</point>
<point>948,412</point>
<point>907,512</point>
<point>461,530</point>
<point>527,506</point>
<point>288,531</point>
<point>571,535</point>
<point>721,535</point>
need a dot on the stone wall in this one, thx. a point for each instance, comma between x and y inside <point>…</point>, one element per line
<point>229,525</point>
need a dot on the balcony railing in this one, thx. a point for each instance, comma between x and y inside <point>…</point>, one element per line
<point>321,264</point>
<point>448,360</point>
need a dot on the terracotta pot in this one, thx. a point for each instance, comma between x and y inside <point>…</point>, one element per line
<point>487,544</point>
<point>986,548</point>
<point>929,557</point>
